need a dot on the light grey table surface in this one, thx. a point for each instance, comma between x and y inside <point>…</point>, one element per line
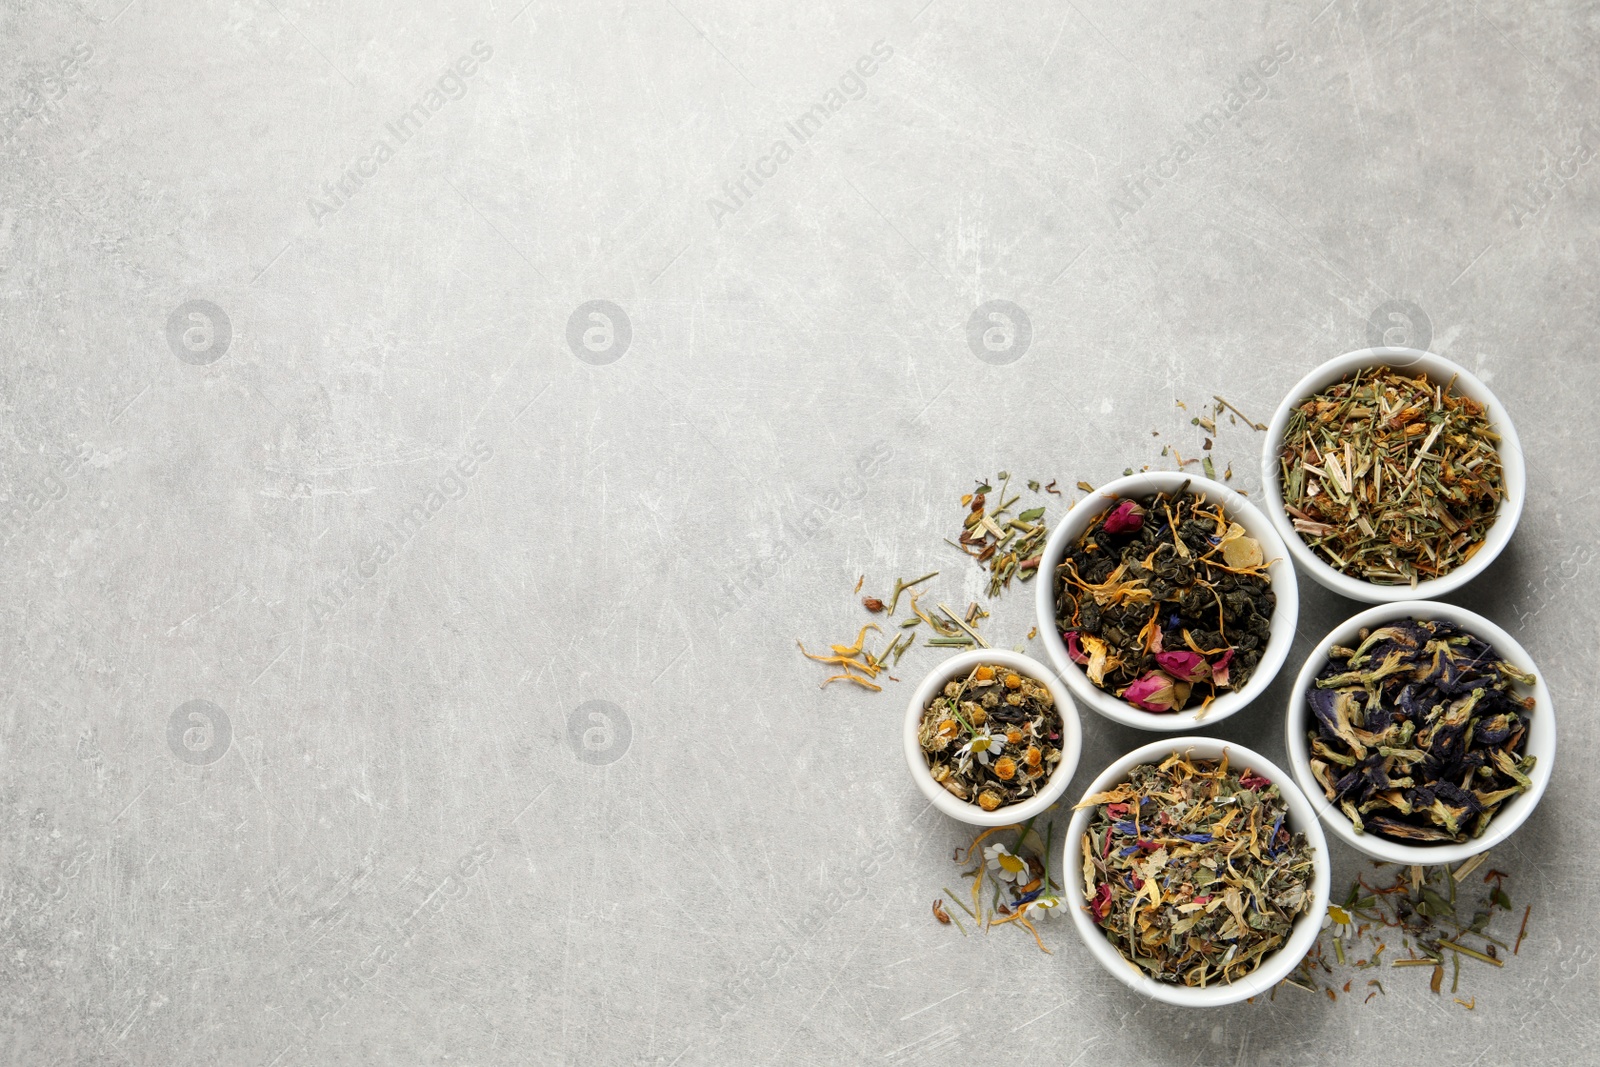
<point>356,469</point>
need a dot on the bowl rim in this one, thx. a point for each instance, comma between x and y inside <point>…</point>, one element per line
<point>1541,737</point>
<point>942,798</point>
<point>1513,465</point>
<point>1284,615</point>
<point>1274,967</point>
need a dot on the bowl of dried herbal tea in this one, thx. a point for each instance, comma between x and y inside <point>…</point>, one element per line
<point>1196,872</point>
<point>1171,601</point>
<point>1422,733</point>
<point>1393,474</point>
<point>992,737</point>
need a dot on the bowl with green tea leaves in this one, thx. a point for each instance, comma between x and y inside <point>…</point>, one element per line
<point>1393,474</point>
<point>1196,872</point>
<point>1422,732</point>
<point>1166,601</point>
<point>991,737</point>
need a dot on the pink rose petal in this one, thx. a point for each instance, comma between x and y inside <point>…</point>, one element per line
<point>1184,666</point>
<point>1219,669</point>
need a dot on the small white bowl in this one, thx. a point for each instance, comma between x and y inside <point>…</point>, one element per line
<point>1440,370</point>
<point>1541,735</point>
<point>1272,969</point>
<point>956,667</point>
<point>1237,508</point>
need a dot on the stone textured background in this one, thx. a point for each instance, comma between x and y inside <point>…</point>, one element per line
<point>538,775</point>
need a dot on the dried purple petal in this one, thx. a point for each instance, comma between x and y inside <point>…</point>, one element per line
<point>1420,732</point>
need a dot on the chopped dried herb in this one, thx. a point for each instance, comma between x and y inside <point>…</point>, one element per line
<point>1190,871</point>
<point>1391,479</point>
<point>1023,886</point>
<point>992,738</point>
<point>901,585</point>
<point>1008,547</point>
<point>1221,403</point>
<point>1420,735</point>
<point>1422,907</point>
<point>1165,602</point>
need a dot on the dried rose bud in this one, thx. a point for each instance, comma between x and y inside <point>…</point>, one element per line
<point>1153,692</point>
<point>872,604</point>
<point>1126,517</point>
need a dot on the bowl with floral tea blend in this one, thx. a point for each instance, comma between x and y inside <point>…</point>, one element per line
<point>1197,871</point>
<point>1421,733</point>
<point>1393,475</point>
<point>1171,601</point>
<point>991,738</point>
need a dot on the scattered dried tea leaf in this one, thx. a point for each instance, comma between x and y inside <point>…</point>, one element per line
<point>1008,547</point>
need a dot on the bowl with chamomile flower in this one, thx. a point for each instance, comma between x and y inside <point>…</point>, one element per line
<point>992,737</point>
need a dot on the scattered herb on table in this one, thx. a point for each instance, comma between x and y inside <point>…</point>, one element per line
<point>1023,886</point>
<point>992,738</point>
<point>1391,479</point>
<point>1165,602</point>
<point>1224,405</point>
<point>1428,914</point>
<point>1191,873</point>
<point>1420,734</point>
<point>1008,546</point>
<point>860,665</point>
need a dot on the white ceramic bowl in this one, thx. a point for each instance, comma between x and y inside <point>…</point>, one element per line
<point>1541,736</point>
<point>1273,968</point>
<point>1236,507</point>
<point>956,667</point>
<point>1438,369</point>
